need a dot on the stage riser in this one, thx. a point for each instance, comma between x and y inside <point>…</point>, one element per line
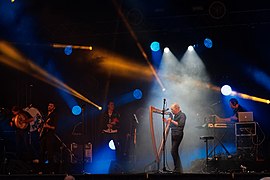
<point>155,176</point>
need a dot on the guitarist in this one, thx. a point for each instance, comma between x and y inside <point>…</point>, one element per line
<point>48,140</point>
<point>111,127</point>
<point>20,121</point>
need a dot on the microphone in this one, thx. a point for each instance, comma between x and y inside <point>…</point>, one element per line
<point>167,109</point>
<point>135,117</point>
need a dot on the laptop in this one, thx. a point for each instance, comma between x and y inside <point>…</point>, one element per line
<point>245,116</point>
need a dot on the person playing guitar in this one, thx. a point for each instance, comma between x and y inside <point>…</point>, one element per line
<point>111,120</point>
<point>48,139</point>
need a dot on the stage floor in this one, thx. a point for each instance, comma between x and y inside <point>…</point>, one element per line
<point>142,176</point>
<point>233,168</point>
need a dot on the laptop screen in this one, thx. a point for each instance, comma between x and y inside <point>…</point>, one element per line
<point>245,116</point>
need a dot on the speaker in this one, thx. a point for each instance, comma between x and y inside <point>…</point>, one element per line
<point>77,150</point>
<point>245,142</point>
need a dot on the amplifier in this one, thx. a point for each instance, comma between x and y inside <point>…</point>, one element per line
<point>245,142</point>
<point>245,129</point>
<point>77,150</point>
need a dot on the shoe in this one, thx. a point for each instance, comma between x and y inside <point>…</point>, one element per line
<point>177,171</point>
<point>35,161</point>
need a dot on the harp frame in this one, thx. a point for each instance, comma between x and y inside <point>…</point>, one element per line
<point>157,151</point>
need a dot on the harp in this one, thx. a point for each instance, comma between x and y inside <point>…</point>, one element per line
<point>157,151</point>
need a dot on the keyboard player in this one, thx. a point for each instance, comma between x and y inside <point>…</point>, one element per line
<point>236,107</point>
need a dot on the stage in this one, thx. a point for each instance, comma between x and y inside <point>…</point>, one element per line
<point>142,176</point>
<point>233,168</point>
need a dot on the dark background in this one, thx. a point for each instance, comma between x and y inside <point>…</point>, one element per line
<point>239,31</point>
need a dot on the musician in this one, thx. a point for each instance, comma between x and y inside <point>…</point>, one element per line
<point>236,107</point>
<point>34,139</point>
<point>20,121</point>
<point>177,124</point>
<point>110,131</point>
<point>48,139</point>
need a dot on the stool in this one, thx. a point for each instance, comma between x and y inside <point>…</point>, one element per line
<point>206,138</point>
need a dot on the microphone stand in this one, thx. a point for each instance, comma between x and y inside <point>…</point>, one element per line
<point>164,137</point>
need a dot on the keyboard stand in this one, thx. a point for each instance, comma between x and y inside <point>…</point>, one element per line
<point>219,142</point>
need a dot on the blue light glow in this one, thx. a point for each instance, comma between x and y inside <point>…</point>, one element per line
<point>76,110</point>
<point>111,145</point>
<point>68,50</point>
<point>137,94</point>
<point>155,46</point>
<point>208,43</point>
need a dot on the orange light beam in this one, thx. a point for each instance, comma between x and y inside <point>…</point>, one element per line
<point>133,35</point>
<point>56,45</point>
<point>12,58</point>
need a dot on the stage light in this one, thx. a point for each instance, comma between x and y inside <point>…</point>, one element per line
<point>226,90</point>
<point>190,48</point>
<point>155,46</point>
<point>68,50</point>
<point>166,50</point>
<point>76,110</point>
<point>137,94</point>
<point>111,145</point>
<point>208,43</point>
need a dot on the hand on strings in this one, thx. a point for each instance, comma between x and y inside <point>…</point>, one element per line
<point>167,120</point>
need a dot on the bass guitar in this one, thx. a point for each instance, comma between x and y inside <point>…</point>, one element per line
<point>43,130</point>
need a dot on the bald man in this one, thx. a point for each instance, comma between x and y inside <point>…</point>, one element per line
<point>177,124</point>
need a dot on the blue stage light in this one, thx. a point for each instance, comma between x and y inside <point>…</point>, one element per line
<point>208,43</point>
<point>68,50</point>
<point>155,46</point>
<point>111,145</point>
<point>137,94</point>
<point>76,110</point>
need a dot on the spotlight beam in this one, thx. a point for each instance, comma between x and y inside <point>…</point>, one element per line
<point>206,85</point>
<point>133,35</point>
<point>253,98</point>
<point>14,59</point>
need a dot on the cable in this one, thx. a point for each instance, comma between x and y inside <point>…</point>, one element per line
<point>258,144</point>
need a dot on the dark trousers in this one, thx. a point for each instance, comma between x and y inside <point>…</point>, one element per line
<point>35,144</point>
<point>48,148</point>
<point>22,144</point>
<point>176,140</point>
